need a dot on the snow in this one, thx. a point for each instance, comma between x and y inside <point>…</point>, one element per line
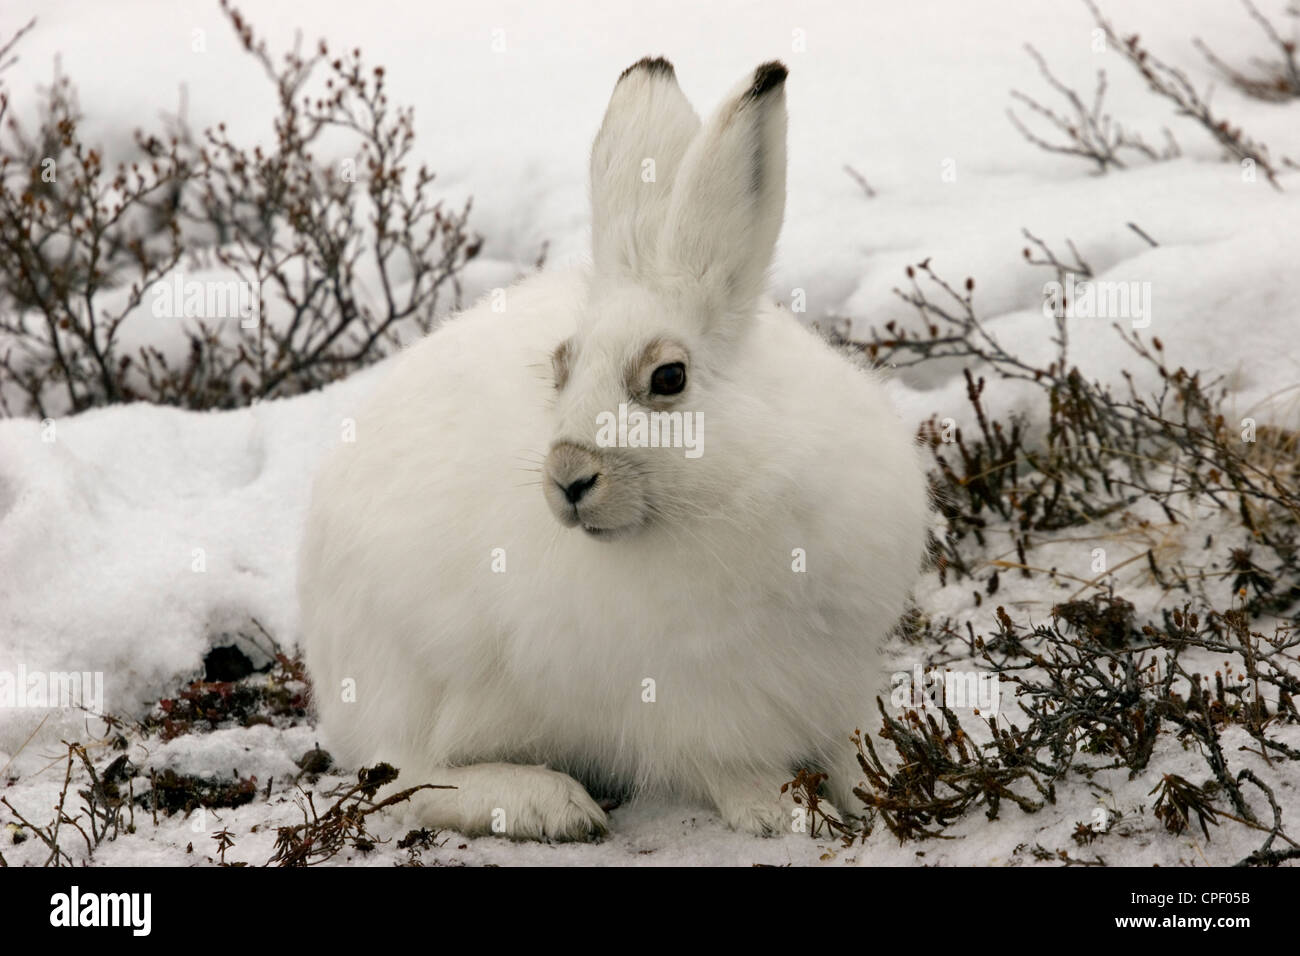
<point>103,528</point>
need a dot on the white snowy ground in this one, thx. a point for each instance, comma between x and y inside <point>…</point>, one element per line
<point>98,529</point>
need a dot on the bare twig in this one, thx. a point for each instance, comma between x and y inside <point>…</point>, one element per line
<point>1089,132</point>
<point>861,180</point>
<point>1280,78</point>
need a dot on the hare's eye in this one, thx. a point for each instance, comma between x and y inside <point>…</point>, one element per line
<point>668,379</point>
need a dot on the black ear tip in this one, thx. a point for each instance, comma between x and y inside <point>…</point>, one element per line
<point>768,77</point>
<point>651,64</point>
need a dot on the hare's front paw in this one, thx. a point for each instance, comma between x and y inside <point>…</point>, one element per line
<point>759,807</point>
<point>754,805</point>
<point>757,816</point>
<point>531,803</point>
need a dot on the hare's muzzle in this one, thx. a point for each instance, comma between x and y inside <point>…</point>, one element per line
<point>587,487</point>
<point>570,478</point>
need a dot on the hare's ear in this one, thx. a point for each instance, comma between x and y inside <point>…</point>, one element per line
<point>647,128</point>
<point>729,200</point>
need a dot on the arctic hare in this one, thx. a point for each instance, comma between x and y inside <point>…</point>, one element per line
<point>696,620</point>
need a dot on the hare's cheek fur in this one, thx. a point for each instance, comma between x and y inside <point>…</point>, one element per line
<point>646,621</point>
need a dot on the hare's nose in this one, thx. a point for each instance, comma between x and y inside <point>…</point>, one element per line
<point>575,490</point>
<point>573,480</point>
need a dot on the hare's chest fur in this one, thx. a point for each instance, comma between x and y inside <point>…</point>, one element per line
<point>645,688</point>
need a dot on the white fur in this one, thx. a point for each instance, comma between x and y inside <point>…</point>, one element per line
<point>473,678</point>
